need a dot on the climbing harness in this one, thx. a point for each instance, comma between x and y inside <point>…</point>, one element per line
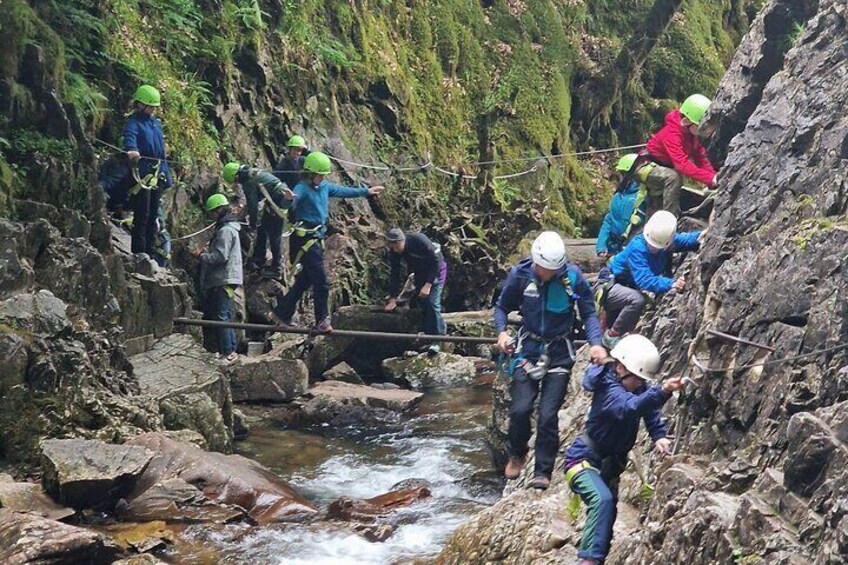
<point>149,182</point>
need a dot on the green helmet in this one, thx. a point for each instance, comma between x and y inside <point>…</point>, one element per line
<point>147,95</point>
<point>296,141</point>
<point>626,162</point>
<point>216,201</point>
<point>318,163</point>
<point>230,170</point>
<point>695,107</point>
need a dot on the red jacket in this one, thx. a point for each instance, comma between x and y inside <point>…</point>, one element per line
<point>674,146</point>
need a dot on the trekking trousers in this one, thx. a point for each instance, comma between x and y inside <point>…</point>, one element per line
<point>664,185</point>
<point>624,307</point>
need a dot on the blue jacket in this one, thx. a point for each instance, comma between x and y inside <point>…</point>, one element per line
<point>143,133</point>
<point>547,309</point>
<point>611,238</point>
<point>613,420</point>
<point>638,268</point>
<point>311,205</point>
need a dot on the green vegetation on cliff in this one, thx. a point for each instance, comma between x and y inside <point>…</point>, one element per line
<point>460,81</point>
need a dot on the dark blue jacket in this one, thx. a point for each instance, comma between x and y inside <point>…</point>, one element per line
<point>547,309</point>
<point>311,204</point>
<point>638,268</point>
<point>613,420</point>
<point>611,238</point>
<point>143,133</point>
<point>288,170</point>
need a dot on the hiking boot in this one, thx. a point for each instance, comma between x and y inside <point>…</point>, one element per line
<point>434,350</point>
<point>514,468</point>
<point>275,273</point>
<point>324,327</point>
<point>276,319</point>
<point>541,482</point>
<point>252,266</point>
<point>610,340</point>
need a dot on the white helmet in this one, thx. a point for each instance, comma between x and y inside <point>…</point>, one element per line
<point>548,251</point>
<point>660,229</point>
<point>638,355</point>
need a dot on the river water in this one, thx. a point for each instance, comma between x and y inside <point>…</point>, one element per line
<point>441,442</point>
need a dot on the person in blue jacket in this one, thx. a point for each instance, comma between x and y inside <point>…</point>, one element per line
<point>545,289</point>
<point>621,397</point>
<point>311,211</point>
<point>626,211</point>
<point>144,144</point>
<point>644,267</point>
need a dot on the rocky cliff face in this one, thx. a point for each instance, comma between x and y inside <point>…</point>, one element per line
<point>759,473</point>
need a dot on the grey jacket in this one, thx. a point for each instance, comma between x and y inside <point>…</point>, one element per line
<point>221,265</point>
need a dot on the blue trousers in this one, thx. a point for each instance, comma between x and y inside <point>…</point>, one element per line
<point>312,274</point>
<point>601,498</point>
<point>433,322</point>
<point>523,391</point>
<point>218,305</point>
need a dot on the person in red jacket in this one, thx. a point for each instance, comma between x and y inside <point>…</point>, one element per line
<point>675,152</point>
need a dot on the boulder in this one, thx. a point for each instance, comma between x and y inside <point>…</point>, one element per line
<point>344,404</point>
<point>267,378</point>
<point>28,497</point>
<point>422,371</point>
<point>374,508</point>
<point>189,386</point>
<point>185,484</point>
<point>344,373</point>
<point>28,538</point>
<point>40,313</point>
<point>17,273</point>
<point>143,559</point>
<point>91,474</point>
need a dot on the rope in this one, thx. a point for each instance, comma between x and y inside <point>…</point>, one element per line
<point>516,175</point>
<point>699,362</point>
<point>452,174</point>
<point>198,232</point>
<point>119,150</point>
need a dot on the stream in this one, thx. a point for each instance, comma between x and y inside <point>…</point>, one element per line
<point>442,442</point>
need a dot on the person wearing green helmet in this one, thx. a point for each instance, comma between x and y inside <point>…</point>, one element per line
<point>675,152</point>
<point>260,185</point>
<point>221,273</point>
<point>310,214</point>
<point>144,144</point>
<point>291,163</point>
<point>626,212</point>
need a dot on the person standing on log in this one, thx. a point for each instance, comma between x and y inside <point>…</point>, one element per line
<point>545,289</point>
<point>310,205</point>
<point>622,395</point>
<point>674,152</point>
<point>424,259</point>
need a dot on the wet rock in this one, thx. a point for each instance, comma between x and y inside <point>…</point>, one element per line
<point>144,559</point>
<point>409,484</point>
<point>241,429</point>
<point>142,538</point>
<point>28,497</point>
<point>189,386</point>
<point>184,483</point>
<point>371,509</point>
<point>347,394</point>
<point>267,378</point>
<point>424,371</point>
<point>27,538</point>
<point>344,373</point>
<point>262,296</point>
<point>41,313</point>
<point>91,474</point>
<point>375,532</point>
